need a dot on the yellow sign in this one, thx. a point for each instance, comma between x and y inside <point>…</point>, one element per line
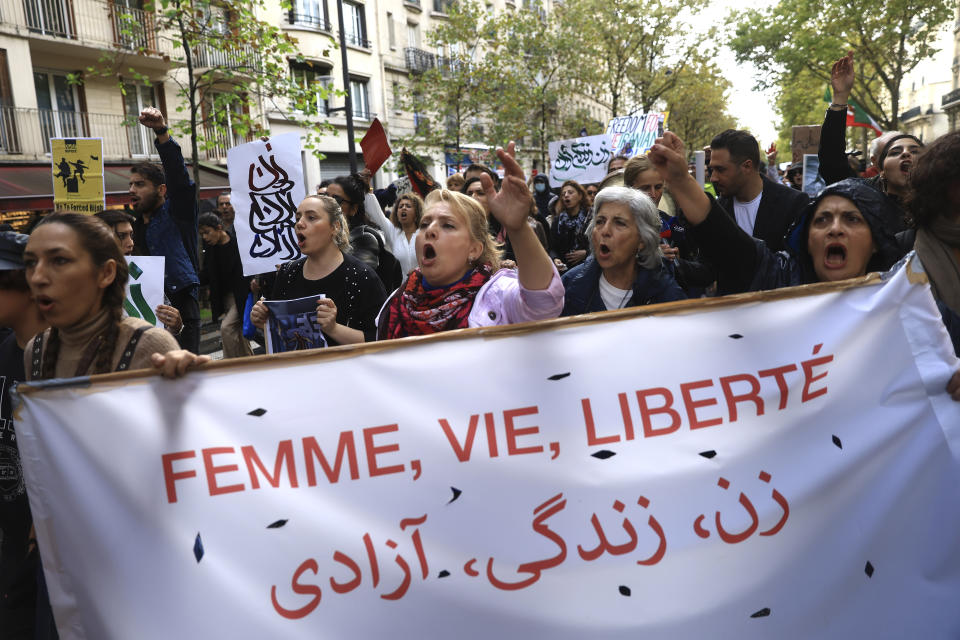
<point>77,174</point>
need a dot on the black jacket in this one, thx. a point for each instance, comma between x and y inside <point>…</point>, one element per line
<point>224,259</point>
<point>780,207</point>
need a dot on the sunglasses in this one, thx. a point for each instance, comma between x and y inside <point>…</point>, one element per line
<point>340,200</point>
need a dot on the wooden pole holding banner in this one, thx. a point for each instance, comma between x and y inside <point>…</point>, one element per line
<point>691,305</point>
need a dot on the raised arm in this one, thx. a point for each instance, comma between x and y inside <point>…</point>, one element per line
<point>833,134</point>
<point>510,206</point>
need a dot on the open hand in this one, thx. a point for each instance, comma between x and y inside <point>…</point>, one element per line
<point>841,78</point>
<point>511,205</point>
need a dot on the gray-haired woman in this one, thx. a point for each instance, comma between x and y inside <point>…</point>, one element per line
<point>626,267</point>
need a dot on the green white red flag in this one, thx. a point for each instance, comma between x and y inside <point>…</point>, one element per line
<point>856,116</point>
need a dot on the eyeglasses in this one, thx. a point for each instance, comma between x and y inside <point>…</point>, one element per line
<point>340,200</point>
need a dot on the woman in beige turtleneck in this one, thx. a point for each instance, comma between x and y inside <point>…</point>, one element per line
<point>78,275</point>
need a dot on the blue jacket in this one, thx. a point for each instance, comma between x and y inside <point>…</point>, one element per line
<point>582,288</point>
<point>172,231</point>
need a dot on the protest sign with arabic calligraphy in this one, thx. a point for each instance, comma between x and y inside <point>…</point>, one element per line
<point>266,179</point>
<point>634,135</point>
<point>144,287</point>
<point>581,159</point>
<point>774,474</point>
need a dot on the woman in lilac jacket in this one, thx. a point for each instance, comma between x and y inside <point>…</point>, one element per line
<point>458,283</point>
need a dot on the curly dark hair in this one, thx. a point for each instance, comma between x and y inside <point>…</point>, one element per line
<point>935,173</point>
<point>100,242</point>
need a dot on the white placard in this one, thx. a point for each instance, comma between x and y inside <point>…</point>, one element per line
<point>782,469</point>
<point>582,159</point>
<point>144,288</point>
<point>266,181</point>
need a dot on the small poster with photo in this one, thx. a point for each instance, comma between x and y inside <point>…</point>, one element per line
<point>292,325</point>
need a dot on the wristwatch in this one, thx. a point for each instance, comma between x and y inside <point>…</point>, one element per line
<point>161,130</point>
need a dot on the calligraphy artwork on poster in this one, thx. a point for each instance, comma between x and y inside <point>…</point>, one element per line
<point>292,325</point>
<point>634,135</point>
<point>77,174</point>
<point>582,159</point>
<point>266,178</point>
<point>144,287</point>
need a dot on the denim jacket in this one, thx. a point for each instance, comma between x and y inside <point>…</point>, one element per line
<point>172,231</point>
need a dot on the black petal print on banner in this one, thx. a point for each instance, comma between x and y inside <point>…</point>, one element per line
<point>257,412</point>
<point>868,569</point>
<point>559,376</point>
<point>277,524</point>
<point>198,548</point>
<point>709,454</point>
<point>456,494</point>
<point>735,336</point>
<point>763,613</point>
<point>624,590</point>
<point>837,442</point>
<point>443,574</point>
<point>603,454</point>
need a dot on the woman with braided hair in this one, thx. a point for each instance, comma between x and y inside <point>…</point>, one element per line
<point>78,275</point>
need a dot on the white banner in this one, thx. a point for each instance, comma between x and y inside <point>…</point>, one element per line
<point>582,159</point>
<point>266,181</point>
<point>785,469</point>
<point>144,288</point>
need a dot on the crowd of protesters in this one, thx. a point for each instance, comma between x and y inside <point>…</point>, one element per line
<point>485,250</point>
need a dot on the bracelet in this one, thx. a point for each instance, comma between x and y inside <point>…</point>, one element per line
<point>161,130</point>
<point>834,105</point>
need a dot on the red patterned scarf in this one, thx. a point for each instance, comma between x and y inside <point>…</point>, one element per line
<point>416,310</point>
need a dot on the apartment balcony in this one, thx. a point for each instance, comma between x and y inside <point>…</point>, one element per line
<point>243,59</point>
<point>81,28</point>
<point>307,20</point>
<point>951,100</point>
<point>25,135</point>
<point>419,60</point>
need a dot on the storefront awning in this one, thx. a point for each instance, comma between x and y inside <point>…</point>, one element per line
<point>26,187</point>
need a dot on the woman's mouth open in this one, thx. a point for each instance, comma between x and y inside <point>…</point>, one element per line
<point>604,250</point>
<point>44,303</point>
<point>429,254</point>
<point>300,240</point>
<point>835,256</point>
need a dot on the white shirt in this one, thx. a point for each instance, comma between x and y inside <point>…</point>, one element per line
<point>746,213</point>
<point>613,298</point>
<point>404,250</point>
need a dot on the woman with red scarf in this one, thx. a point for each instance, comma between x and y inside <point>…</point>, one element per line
<point>458,283</point>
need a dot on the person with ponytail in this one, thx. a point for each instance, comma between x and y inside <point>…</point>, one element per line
<point>77,275</point>
<point>459,283</point>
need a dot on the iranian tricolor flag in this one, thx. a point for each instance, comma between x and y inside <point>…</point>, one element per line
<point>856,116</point>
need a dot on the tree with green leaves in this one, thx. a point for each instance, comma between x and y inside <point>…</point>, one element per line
<point>697,104</point>
<point>534,57</point>
<point>229,65</point>
<point>801,39</point>
<point>632,51</point>
<point>451,93</point>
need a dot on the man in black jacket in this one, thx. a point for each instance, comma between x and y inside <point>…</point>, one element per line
<point>761,207</point>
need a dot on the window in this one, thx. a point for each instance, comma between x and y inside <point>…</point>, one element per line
<point>355,25</point>
<point>441,6</point>
<point>57,103</point>
<point>359,100</point>
<point>136,98</point>
<point>310,13</point>
<point>413,35</point>
<point>391,33</point>
<point>311,75</point>
<point>9,140</point>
